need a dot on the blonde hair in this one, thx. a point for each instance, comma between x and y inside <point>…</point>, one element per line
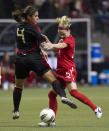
<point>64,22</point>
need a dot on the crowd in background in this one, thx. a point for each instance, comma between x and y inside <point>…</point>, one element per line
<point>55,8</point>
<point>7,71</point>
<point>48,9</point>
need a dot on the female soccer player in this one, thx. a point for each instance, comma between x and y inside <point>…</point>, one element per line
<point>29,57</point>
<point>66,70</point>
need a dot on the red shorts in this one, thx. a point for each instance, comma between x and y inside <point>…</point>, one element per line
<point>66,75</point>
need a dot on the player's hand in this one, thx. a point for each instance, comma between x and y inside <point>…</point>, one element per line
<point>60,41</point>
<point>45,55</point>
<point>47,46</point>
<point>45,37</point>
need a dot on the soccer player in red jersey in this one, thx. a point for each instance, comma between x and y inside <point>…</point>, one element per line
<point>66,69</point>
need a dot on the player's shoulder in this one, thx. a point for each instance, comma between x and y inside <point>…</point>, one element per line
<point>38,28</point>
<point>29,25</point>
<point>34,26</point>
<point>69,39</point>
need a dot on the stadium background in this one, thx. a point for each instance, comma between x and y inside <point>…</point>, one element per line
<point>90,31</point>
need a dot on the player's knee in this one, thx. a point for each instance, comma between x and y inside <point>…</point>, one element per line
<point>55,85</point>
<point>71,86</point>
<point>19,83</point>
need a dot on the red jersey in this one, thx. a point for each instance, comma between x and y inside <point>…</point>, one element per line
<point>65,64</point>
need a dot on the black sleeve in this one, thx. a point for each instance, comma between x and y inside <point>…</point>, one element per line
<point>41,39</point>
<point>39,36</point>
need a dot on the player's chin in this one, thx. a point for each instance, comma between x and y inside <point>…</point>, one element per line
<point>36,21</point>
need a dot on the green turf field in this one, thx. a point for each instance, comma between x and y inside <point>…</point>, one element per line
<point>34,100</point>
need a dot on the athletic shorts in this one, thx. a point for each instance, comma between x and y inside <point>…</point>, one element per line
<point>66,75</point>
<point>24,63</point>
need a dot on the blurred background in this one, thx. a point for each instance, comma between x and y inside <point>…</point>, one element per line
<point>89,26</point>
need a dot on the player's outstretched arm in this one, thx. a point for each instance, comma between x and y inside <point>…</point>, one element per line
<point>53,47</point>
<point>44,54</point>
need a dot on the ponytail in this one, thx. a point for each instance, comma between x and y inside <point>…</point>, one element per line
<point>18,15</point>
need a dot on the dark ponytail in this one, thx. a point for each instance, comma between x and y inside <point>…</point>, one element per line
<point>20,15</point>
<point>17,15</point>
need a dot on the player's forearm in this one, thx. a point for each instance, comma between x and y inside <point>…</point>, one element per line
<point>54,47</point>
<point>42,51</point>
<point>55,50</point>
<point>59,46</point>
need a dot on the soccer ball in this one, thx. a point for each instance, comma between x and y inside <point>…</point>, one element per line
<point>47,115</point>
